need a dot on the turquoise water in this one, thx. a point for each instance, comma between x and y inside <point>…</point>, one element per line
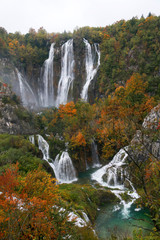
<point>85,177</point>
<point>110,222</point>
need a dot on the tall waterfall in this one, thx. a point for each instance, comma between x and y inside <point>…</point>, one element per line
<point>112,176</point>
<point>46,90</point>
<point>27,94</point>
<point>91,69</point>
<point>62,166</point>
<point>67,75</point>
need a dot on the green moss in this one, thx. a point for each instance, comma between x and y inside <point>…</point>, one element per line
<point>85,233</point>
<point>6,100</point>
<point>126,197</point>
<point>81,197</point>
<point>18,149</point>
<point>23,114</point>
<point>86,198</point>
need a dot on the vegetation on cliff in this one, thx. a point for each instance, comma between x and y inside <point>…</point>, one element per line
<point>128,87</point>
<point>127,47</point>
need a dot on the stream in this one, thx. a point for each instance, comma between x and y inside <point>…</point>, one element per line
<point>119,219</point>
<point>111,222</point>
<point>111,219</point>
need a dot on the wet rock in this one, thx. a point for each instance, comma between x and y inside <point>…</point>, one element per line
<point>14,119</point>
<point>48,168</point>
<point>117,177</point>
<point>127,184</point>
<point>106,196</point>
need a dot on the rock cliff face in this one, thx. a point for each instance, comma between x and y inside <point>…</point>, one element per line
<point>33,77</point>
<point>14,119</point>
<point>146,142</point>
<point>8,75</point>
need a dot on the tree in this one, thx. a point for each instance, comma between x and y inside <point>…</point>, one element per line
<point>144,165</point>
<point>29,207</point>
<point>122,113</point>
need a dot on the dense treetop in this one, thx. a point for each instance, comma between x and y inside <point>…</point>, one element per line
<point>127,47</point>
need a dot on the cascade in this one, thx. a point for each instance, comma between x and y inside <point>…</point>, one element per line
<point>31,139</point>
<point>44,147</point>
<point>64,169</point>
<point>91,70</point>
<point>46,90</point>
<point>113,174</point>
<point>67,75</point>
<point>87,167</point>
<point>27,94</point>
<point>95,158</point>
<point>62,166</point>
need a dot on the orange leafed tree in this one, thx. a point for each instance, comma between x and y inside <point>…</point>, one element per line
<point>78,140</point>
<point>67,110</point>
<point>27,207</point>
<point>121,114</point>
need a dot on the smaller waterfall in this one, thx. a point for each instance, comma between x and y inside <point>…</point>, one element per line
<point>31,139</point>
<point>46,91</point>
<point>113,174</point>
<point>64,169</point>
<point>91,70</point>
<point>27,94</point>
<point>95,158</point>
<point>67,75</point>
<point>62,166</point>
<point>44,147</point>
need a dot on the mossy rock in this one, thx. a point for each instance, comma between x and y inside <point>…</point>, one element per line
<point>48,168</point>
<point>106,196</point>
<point>126,197</point>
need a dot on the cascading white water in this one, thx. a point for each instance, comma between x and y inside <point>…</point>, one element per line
<point>113,172</point>
<point>91,70</point>
<point>44,147</point>
<point>27,94</point>
<point>67,74</point>
<point>31,139</point>
<point>62,166</point>
<point>46,90</point>
<point>65,172</point>
<point>95,158</point>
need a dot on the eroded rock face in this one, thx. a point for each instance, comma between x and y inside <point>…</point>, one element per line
<point>146,142</point>
<point>14,119</point>
<point>152,119</point>
<point>120,176</point>
<point>8,75</point>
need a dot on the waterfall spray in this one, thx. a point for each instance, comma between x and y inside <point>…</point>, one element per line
<point>115,179</point>
<point>46,90</point>
<point>90,69</point>
<point>62,166</point>
<point>67,75</point>
<point>27,94</point>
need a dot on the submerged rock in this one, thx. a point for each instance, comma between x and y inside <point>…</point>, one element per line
<point>106,196</point>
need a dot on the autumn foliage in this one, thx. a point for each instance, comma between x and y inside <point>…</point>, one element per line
<point>122,113</point>
<point>78,140</point>
<point>67,110</point>
<point>29,206</point>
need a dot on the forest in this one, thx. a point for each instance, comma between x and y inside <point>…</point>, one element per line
<point>32,204</point>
